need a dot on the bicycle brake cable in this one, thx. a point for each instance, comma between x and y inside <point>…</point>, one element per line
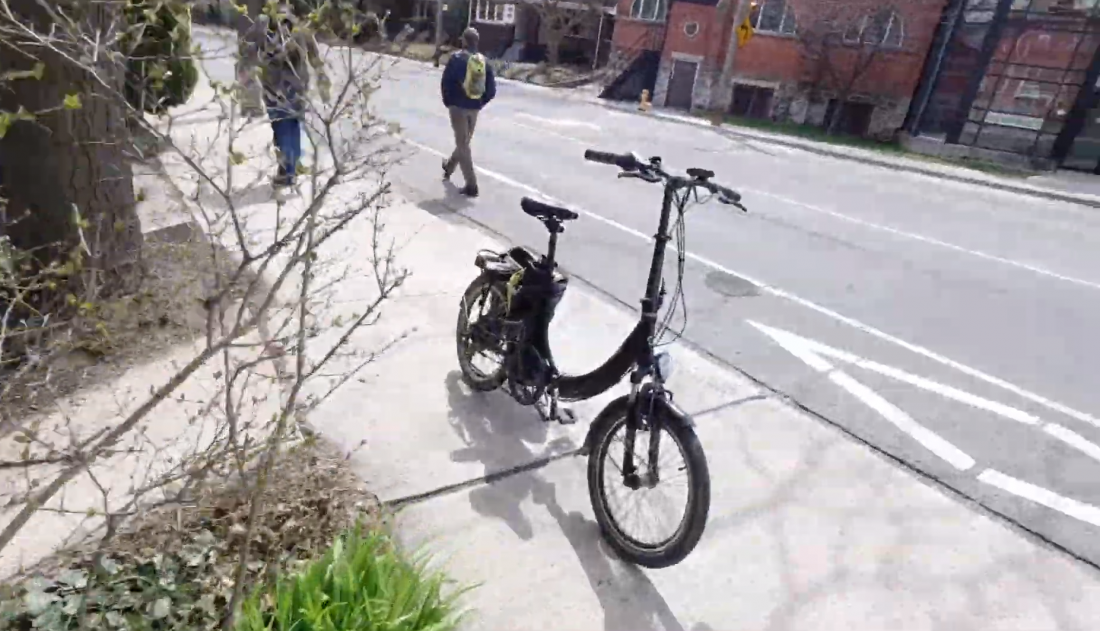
<point>680,230</point>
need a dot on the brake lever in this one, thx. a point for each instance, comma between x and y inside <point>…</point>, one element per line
<point>640,176</point>
<point>730,202</point>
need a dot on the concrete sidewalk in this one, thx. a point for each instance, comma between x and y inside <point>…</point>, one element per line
<point>808,530</point>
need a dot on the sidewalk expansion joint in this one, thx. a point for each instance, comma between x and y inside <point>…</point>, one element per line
<point>399,503</point>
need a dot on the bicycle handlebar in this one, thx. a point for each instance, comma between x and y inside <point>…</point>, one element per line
<point>624,161</point>
<point>652,172</point>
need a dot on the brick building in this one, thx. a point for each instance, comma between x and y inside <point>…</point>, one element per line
<point>809,61</point>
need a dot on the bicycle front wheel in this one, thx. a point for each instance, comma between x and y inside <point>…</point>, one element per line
<point>682,492</point>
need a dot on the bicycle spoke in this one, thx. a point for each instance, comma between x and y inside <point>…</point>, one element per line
<point>650,516</point>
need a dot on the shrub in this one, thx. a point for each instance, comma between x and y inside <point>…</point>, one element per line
<point>160,72</point>
<point>363,582</point>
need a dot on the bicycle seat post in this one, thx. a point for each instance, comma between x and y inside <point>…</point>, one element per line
<point>554,226</point>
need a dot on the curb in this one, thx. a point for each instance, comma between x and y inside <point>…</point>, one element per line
<point>1005,185</point>
<point>560,89</point>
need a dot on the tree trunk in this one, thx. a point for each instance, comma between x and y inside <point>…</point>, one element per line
<point>72,158</point>
<point>553,47</point>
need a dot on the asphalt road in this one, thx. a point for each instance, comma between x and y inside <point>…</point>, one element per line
<point>951,326</point>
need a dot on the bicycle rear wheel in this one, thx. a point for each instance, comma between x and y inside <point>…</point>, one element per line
<point>605,478</point>
<point>478,334</point>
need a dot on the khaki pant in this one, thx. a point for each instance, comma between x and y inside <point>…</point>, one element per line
<point>463,122</point>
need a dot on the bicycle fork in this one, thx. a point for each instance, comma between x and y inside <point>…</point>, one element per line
<point>634,422</point>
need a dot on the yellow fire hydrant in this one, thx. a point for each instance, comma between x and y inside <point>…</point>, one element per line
<point>644,104</point>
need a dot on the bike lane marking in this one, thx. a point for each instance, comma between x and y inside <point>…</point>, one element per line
<point>558,122</point>
<point>806,347</point>
<point>811,353</point>
<point>1038,399</point>
<point>551,132</point>
<point>808,353</point>
<point>1067,506</point>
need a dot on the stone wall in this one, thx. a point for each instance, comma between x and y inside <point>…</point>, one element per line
<point>792,103</point>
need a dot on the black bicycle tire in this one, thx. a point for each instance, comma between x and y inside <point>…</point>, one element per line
<point>496,379</point>
<point>692,526</point>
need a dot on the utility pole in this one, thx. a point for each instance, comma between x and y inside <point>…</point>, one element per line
<point>438,32</point>
<point>438,23</point>
<point>740,10</point>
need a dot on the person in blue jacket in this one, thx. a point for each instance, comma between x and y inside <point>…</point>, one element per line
<point>468,85</point>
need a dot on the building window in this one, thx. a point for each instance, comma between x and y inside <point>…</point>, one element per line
<point>775,16</point>
<point>884,29</point>
<point>691,29</point>
<point>494,13</point>
<point>651,10</point>
<point>750,101</point>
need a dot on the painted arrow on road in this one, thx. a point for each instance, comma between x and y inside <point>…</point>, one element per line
<point>814,355</point>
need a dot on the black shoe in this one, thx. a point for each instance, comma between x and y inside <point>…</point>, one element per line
<point>468,191</point>
<point>446,172</point>
<point>282,181</point>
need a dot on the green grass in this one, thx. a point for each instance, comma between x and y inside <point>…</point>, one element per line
<point>362,583</point>
<point>818,134</point>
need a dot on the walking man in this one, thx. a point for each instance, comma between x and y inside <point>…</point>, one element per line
<point>468,85</point>
<point>280,47</point>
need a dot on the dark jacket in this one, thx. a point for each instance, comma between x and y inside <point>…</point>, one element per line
<point>283,60</point>
<point>455,74</point>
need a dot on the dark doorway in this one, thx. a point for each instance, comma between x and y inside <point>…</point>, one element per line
<point>751,101</point>
<point>1083,151</point>
<point>855,118</point>
<point>681,84</point>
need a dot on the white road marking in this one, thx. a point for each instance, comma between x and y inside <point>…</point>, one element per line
<point>559,122</point>
<point>553,133</point>
<point>825,311</point>
<point>810,352</point>
<point>1073,439</point>
<point>930,440</point>
<point>929,240</point>
<point>792,340</point>
<point>1067,506</point>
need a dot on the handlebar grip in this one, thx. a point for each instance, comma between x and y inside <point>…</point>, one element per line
<point>729,194</point>
<point>622,160</point>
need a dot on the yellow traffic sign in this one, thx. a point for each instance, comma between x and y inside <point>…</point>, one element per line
<point>745,32</point>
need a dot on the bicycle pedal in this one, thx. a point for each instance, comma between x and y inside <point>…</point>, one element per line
<point>566,416</point>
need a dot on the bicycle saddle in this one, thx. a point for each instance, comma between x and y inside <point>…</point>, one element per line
<point>544,211</point>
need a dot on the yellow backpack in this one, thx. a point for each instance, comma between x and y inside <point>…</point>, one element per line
<point>474,84</point>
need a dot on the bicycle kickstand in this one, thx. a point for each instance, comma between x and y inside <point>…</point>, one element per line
<point>558,413</point>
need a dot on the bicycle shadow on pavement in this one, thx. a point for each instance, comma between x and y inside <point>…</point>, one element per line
<point>630,601</point>
<point>499,433</point>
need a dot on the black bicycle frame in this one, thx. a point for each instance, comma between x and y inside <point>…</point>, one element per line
<point>637,348</point>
